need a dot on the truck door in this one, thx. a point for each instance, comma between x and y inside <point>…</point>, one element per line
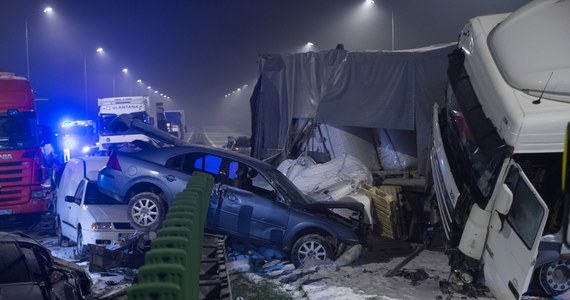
<point>517,222</point>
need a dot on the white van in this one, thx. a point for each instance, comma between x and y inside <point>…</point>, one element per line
<point>83,214</point>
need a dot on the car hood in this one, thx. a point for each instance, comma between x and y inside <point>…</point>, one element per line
<point>108,213</point>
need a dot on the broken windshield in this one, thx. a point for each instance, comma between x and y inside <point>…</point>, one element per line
<point>18,131</point>
<point>481,169</point>
<point>105,121</point>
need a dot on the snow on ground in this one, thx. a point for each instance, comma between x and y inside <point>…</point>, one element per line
<point>419,279</point>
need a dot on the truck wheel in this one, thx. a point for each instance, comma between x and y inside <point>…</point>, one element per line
<point>146,211</point>
<point>310,246</point>
<point>555,277</point>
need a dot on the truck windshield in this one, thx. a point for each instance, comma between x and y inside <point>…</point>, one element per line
<point>18,131</point>
<point>106,119</point>
<point>479,171</point>
<point>79,130</point>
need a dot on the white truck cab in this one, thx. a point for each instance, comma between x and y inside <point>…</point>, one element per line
<point>497,151</point>
<point>109,108</point>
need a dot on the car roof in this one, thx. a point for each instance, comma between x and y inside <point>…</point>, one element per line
<point>92,165</point>
<point>17,237</point>
<point>161,155</point>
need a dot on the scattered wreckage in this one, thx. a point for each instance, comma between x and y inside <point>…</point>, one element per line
<point>29,271</point>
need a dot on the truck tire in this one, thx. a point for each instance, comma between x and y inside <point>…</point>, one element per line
<point>146,211</point>
<point>555,277</point>
<point>310,246</point>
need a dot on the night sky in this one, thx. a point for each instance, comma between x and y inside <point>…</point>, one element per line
<point>197,51</point>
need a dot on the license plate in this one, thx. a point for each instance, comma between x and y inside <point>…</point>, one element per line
<point>126,236</point>
<point>6,211</point>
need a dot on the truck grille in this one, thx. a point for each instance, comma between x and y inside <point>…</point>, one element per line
<point>13,175</point>
<point>14,194</point>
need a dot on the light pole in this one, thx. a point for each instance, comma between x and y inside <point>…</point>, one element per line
<point>126,72</point>
<point>99,51</point>
<point>392,17</point>
<point>46,10</point>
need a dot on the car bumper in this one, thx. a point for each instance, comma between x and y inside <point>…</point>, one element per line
<point>105,237</point>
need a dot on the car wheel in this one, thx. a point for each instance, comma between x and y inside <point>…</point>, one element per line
<point>310,246</point>
<point>80,246</point>
<point>146,211</point>
<point>59,232</point>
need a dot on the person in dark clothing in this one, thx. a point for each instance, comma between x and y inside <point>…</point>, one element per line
<point>56,171</point>
<point>242,180</point>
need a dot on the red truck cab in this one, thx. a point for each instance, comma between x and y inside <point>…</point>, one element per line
<point>22,170</point>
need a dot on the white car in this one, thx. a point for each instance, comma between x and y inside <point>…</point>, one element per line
<point>83,214</point>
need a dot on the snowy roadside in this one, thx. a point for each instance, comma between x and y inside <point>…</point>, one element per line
<point>419,279</point>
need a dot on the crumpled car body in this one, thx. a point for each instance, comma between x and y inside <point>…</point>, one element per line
<point>29,271</point>
<point>251,200</point>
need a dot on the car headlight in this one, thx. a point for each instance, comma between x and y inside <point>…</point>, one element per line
<point>101,226</point>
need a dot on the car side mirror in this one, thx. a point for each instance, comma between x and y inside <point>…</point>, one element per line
<point>70,199</point>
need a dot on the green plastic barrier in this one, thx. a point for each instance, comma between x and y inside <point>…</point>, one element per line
<point>155,291</point>
<point>177,222</point>
<point>176,253</point>
<point>166,256</point>
<point>182,243</point>
<point>169,273</point>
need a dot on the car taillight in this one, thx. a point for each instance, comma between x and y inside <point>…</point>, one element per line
<point>113,162</point>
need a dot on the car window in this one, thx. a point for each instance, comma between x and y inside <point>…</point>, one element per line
<point>208,163</point>
<point>80,189</point>
<point>260,182</point>
<point>94,196</point>
<point>288,188</point>
<point>33,264</point>
<point>12,264</point>
<point>245,177</point>
<point>175,162</point>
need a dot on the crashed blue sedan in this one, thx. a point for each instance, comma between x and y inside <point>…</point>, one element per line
<point>251,201</point>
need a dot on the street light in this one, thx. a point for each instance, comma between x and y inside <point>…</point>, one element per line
<point>46,10</point>
<point>125,71</point>
<point>99,51</point>
<point>371,2</point>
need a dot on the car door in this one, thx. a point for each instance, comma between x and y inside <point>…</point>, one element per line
<point>75,210</point>
<point>252,212</point>
<point>517,222</point>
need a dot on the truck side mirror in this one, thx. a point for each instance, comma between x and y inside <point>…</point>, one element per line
<point>502,206</point>
<point>504,200</point>
<point>44,135</point>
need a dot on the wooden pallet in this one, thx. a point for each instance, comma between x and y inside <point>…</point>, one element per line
<point>386,201</point>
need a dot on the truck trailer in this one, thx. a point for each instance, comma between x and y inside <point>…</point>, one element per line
<point>497,152</point>
<point>22,169</point>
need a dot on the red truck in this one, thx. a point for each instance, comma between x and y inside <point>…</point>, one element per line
<point>22,169</point>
